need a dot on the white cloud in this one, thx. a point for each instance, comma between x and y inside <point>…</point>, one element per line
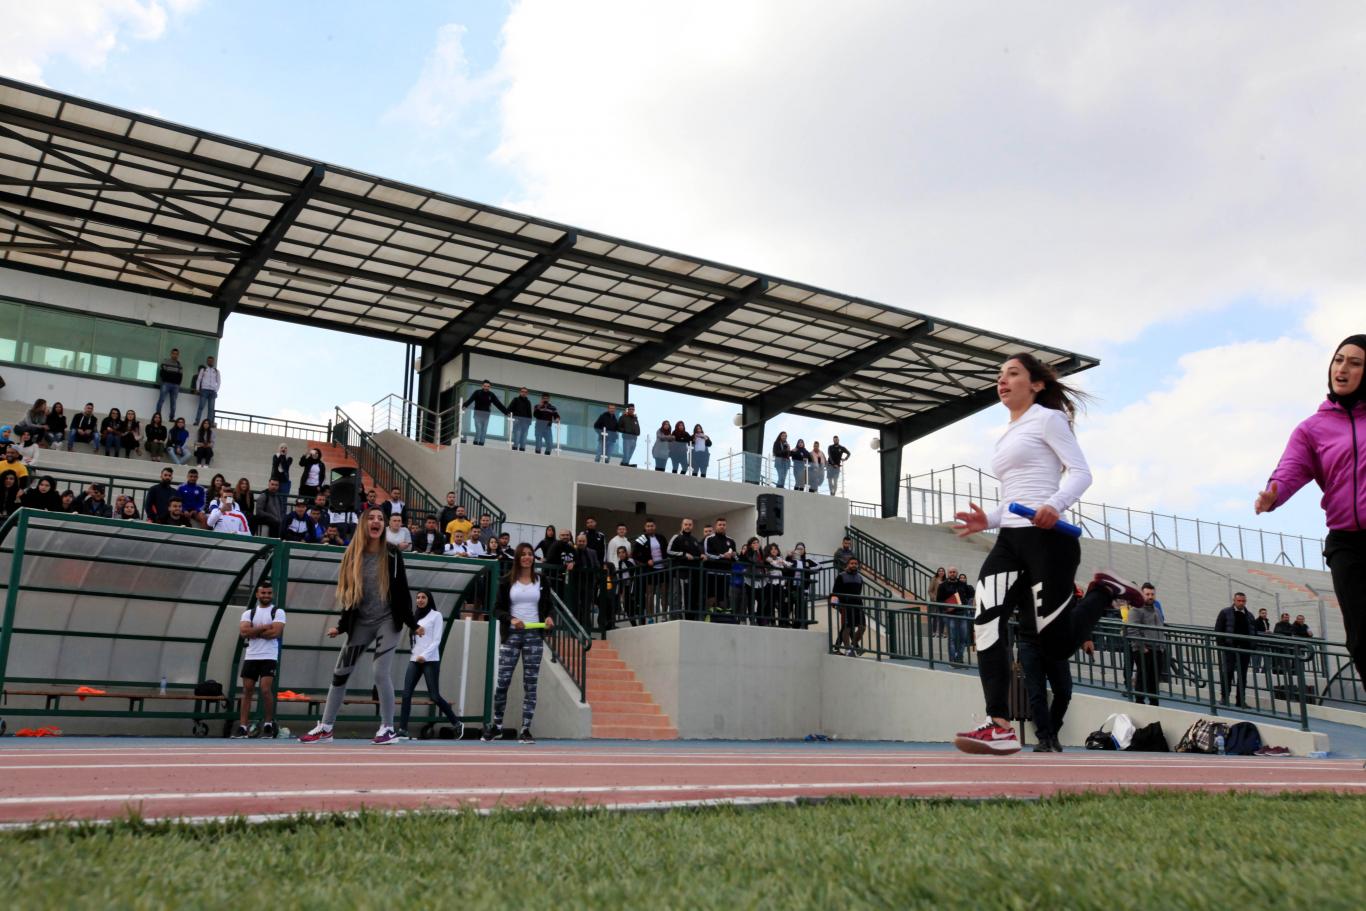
<point>446,88</point>
<point>82,31</point>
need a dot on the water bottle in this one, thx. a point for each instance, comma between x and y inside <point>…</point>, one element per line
<point>162,689</point>
<point>1219,744</point>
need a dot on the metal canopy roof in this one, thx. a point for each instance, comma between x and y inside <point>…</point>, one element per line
<point>100,194</point>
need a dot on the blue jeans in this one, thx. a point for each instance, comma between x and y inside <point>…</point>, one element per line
<point>544,438</point>
<point>832,477</point>
<point>606,446</point>
<point>94,441</point>
<point>958,637</point>
<point>481,427</point>
<point>519,428</point>
<point>628,447</point>
<point>173,391</point>
<point>781,466</point>
<point>206,397</point>
<point>700,460</point>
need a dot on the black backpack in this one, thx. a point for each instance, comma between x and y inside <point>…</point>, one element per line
<point>208,688</point>
<point>1242,739</point>
<point>1149,739</point>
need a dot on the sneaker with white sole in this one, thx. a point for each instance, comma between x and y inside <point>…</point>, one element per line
<point>385,736</point>
<point>525,736</point>
<point>241,733</point>
<point>319,734</point>
<point>490,733</point>
<point>1119,586</point>
<point>988,739</point>
<point>268,730</point>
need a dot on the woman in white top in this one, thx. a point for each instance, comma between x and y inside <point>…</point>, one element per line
<point>1032,568</point>
<point>425,664</point>
<point>815,471</point>
<point>701,451</point>
<point>522,598</point>
<point>775,595</point>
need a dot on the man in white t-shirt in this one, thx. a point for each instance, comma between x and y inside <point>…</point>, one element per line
<point>457,547</point>
<point>262,626</point>
<point>618,540</point>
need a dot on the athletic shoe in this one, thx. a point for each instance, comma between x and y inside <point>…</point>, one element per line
<point>319,734</point>
<point>241,733</point>
<point>402,734</point>
<point>490,733</point>
<point>385,736</point>
<point>268,730</point>
<point>1119,586</point>
<point>1044,746</point>
<point>1055,743</point>
<point>525,736</point>
<point>988,739</point>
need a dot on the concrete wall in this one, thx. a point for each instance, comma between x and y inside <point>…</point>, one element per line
<point>73,295</point>
<point>536,378</point>
<point>730,682</point>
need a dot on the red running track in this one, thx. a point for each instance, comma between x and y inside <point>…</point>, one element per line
<point>100,779</point>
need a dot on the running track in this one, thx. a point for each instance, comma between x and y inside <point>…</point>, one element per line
<point>100,778</point>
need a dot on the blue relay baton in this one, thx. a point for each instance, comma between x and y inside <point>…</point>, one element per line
<point>1066,527</point>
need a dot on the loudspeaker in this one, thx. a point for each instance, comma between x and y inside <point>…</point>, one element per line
<point>770,507</point>
<point>341,496</point>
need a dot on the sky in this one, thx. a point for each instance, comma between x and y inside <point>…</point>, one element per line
<point>1175,189</point>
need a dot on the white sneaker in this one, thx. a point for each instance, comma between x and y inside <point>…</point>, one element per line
<point>319,734</point>
<point>385,736</point>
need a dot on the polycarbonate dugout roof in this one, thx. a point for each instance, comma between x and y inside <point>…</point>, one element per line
<point>100,194</point>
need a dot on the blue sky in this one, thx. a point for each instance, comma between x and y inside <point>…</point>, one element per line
<point>1152,190</point>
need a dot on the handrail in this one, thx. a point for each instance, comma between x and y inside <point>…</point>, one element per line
<point>1153,526</point>
<point>413,420</point>
<point>569,644</point>
<point>372,458</point>
<point>901,570</point>
<point>281,427</point>
<point>476,504</point>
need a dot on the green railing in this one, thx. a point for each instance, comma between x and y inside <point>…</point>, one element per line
<point>891,565</point>
<point>569,644</point>
<point>741,593</point>
<point>476,505</point>
<point>125,605</point>
<point>1195,668</point>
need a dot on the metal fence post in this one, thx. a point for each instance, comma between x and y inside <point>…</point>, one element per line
<point>16,574</point>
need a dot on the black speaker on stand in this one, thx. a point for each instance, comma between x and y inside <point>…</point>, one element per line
<point>770,508</point>
<point>342,494</point>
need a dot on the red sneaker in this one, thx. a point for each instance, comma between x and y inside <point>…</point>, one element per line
<point>988,739</point>
<point>1119,586</point>
<point>319,734</point>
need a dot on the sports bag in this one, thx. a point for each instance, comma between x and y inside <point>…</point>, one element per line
<point>1201,737</point>
<point>1149,739</point>
<point>208,688</point>
<point>1120,735</point>
<point>1100,740</point>
<point>1243,739</point>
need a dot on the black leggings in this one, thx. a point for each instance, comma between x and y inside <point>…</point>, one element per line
<point>431,672</point>
<point>1345,552</point>
<point>1030,572</point>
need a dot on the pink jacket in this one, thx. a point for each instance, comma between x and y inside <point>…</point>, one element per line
<point>1329,447</point>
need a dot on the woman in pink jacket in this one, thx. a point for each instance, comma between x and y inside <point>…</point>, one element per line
<point>1329,448</point>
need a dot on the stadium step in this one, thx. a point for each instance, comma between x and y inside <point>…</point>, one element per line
<point>622,708</point>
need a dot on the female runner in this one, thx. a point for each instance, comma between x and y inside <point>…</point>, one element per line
<point>1330,448</point>
<point>1032,568</point>
<point>372,591</point>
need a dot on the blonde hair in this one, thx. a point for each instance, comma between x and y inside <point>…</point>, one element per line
<point>351,579</point>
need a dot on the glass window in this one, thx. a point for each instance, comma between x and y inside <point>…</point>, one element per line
<point>126,351</point>
<point>57,339</point>
<point>193,351</point>
<point>10,313</point>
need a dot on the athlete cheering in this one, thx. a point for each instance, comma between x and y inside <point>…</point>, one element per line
<point>1032,568</point>
<point>1330,447</point>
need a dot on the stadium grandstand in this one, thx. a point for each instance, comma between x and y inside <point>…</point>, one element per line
<point>124,238</point>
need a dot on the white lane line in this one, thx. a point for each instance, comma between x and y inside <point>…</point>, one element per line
<point>477,792</point>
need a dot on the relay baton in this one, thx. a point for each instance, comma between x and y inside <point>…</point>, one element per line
<point>533,626</point>
<point>1060,525</point>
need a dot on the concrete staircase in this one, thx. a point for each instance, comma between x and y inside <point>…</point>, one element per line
<point>622,709</point>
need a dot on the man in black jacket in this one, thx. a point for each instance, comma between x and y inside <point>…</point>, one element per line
<point>846,594</point>
<point>269,510</point>
<point>429,540</point>
<point>1234,656</point>
<point>606,427</point>
<point>483,400</point>
<point>956,594</point>
<point>157,501</point>
<point>84,426</point>
<point>629,427</point>
<point>685,558</point>
<point>545,414</point>
<point>720,553</point>
<point>651,553</point>
<point>596,539</point>
<point>520,409</point>
<point>835,457</point>
<point>448,511</point>
<point>169,375</point>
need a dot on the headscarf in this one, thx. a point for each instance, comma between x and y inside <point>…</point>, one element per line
<point>1348,401</point>
<point>431,603</point>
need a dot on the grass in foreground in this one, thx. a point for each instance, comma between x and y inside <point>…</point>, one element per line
<point>1103,852</point>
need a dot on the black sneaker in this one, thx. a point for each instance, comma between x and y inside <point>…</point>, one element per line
<point>241,733</point>
<point>525,736</point>
<point>268,730</point>
<point>1055,743</point>
<point>1044,746</point>
<point>490,733</point>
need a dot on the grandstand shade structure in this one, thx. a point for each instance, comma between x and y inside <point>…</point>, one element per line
<point>95,193</point>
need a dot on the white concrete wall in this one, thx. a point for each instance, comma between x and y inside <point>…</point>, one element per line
<point>73,295</point>
<point>536,378</point>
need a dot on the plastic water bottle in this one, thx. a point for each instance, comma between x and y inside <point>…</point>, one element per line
<point>162,690</point>
<point>1219,744</point>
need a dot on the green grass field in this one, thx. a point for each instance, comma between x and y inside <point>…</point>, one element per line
<point>1102,852</point>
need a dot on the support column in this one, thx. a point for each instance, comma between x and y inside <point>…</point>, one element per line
<point>889,458</point>
<point>753,415</point>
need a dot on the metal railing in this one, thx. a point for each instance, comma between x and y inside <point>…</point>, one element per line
<point>569,643</point>
<point>933,497</point>
<point>754,468</point>
<point>393,412</point>
<point>477,505</point>
<point>279,427</point>
<point>1278,679</point>
<point>913,578</point>
<point>371,458</point>
<point>741,593</point>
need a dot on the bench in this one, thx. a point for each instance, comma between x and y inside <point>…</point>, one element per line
<point>205,707</point>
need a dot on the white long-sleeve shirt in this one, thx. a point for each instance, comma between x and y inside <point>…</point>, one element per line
<point>232,522</point>
<point>428,645</point>
<point>1030,459</point>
